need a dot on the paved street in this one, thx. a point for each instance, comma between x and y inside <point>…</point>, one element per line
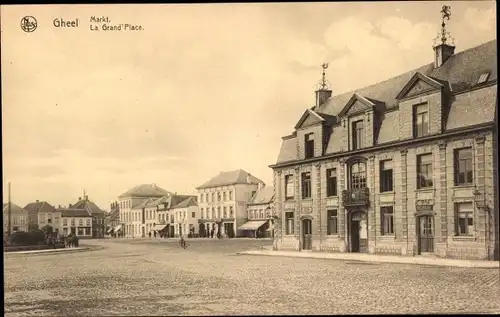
<point>157,277</point>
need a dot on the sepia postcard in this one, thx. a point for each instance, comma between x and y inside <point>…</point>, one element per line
<point>314,158</point>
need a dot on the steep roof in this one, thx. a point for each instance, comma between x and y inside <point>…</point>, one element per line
<point>191,201</point>
<point>144,203</point>
<point>146,190</point>
<point>14,209</point>
<point>460,74</point>
<point>230,178</point>
<point>39,206</point>
<point>88,205</point>
<point>263,196</point>
<point>157,202</point>
<point>72,212</point>
<point>461,70</point>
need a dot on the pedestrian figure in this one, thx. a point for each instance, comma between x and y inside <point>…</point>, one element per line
<point>212,234</point>
<point>149,234</point>
<point>155,234</point>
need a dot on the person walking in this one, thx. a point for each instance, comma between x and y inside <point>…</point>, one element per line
<point>150,234</point>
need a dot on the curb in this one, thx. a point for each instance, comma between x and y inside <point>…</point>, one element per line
<point>52,252</point>
<point>410,260</point>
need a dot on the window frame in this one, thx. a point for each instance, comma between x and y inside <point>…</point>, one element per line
<point>331,182</point>
<point>429,176</point>
<point>332,222</point>
<point>466,212</point>
<point>309,145</point>
<point>306,182</point>
<point>457,166</point>
<point>362,176</point>
<point>387,221</point>
<point>289,181</point>
<point>357,134</point>
<point>421,111</point>
<point>386,177</point>
<point>289,223</point>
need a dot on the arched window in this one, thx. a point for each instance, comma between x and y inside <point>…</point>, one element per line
<point>358,175</point>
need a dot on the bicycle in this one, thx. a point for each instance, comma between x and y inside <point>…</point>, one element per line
<point>184,244</point>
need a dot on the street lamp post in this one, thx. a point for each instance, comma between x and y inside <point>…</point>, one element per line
<point>276,223</point>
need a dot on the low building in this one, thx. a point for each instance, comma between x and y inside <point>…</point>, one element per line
<point>223,202</point>
<point>186,215</point>
<point>76,222</point>
<point>98,215</point>
<point>161,209</point>
<point>131,206</point>
<point>260,214</point>
<point>19,218</point>
<point>407,166</point>
<point>41,213</point>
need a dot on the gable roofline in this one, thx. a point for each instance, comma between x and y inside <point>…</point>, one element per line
<point>414,79</point>
<point>356,97</point>
<point>308,112</point>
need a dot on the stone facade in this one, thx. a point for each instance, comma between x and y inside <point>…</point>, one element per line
<point>424,205</point>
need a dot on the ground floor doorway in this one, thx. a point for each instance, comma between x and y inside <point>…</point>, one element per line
<point>306,234</point>
<point>358,232</point>
<point>425,234</point>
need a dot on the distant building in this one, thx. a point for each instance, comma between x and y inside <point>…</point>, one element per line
<point>132,204</point>
<point>186,215</point>
<point>41,214</point>
<point>223,201</point>
<point>161,215</point>
<point>98,215</point>
<point>260,212</point>
<point>76,221</point>
<point>19,218</point>
<point>112,220</point>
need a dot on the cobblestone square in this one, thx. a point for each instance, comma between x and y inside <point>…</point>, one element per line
<point>157,277</point>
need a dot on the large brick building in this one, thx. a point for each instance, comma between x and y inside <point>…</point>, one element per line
<point>407,166</point>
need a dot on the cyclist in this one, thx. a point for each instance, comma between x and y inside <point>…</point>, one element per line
<point>183,243</point>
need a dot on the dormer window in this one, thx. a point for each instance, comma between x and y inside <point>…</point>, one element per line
<point>420,120</point>
<point>309,145</point>
<point>357,134</point>
<point>483,78</point>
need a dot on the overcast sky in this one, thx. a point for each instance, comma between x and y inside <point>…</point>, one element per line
<point>203,89</point>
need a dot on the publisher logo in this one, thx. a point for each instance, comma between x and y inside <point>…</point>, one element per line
<point>28,24</point>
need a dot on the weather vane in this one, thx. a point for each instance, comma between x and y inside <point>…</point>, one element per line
<point>445,16</point>
<point>324,82</point>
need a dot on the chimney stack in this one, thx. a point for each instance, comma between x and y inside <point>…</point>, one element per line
<point>37,201</point>
<point>249,179</point>
<point>443,51</point>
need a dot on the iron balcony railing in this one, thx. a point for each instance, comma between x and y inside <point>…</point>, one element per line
<point>356,197</point>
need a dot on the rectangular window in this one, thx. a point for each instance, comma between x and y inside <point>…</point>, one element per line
<point>202,213</point>
<point>193,214</point>
<point>289,187</point>
<point>387,220</point>
<point>201,198</point>
<point>357,134</point>
<point>463,166</point>
<point>65,222</point>
<point>289,223</point>
<point>213,197</point>
<point>230,195</point>
<point>332,223</point>
<point>421,120</point>
<point>219,197</point>
<point>80,223</point>
<point>225,196</point>
<point>72,222</point>
<point>206,197</point>
<point>230,211</point>
<point>309,145</point>
<point>386,176</point>
<point>224,211</point>
<point>306,185</point>
<point>88,222</point>
<point>331,182</point>
<point>464,221</point>
<point>424,171</point>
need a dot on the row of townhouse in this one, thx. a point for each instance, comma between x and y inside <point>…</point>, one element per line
<point>407,166</point>
<point>84,218</point>
<point>233,203</point>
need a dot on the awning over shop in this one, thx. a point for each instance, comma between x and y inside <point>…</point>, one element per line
<point>252,225</point>
<point>109,230</point>
<point>159,227</point>
<point>117,228</point>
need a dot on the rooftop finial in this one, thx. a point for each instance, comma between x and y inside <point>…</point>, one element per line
<point>324,82</point>
<point>444,35</point>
